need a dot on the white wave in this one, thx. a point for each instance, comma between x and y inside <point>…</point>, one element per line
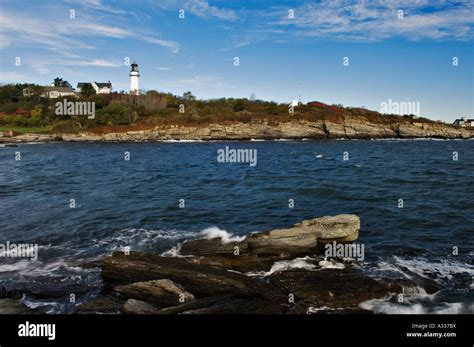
<point>226,237</point>
<point>257,140</point>
<point>284,265</point>
<point>443,269</point>
<point>139,238</point>
<point>312,309</point>
<point>37,268</point>
<point>173,252</point>
<point>331,264</point>
<point>319,156</point>
<point>383,306</point>
<point>173,140</point>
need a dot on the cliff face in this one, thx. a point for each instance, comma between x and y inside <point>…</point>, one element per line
<point>349,128</point>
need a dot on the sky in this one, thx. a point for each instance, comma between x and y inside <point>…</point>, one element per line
<point>404,51</point>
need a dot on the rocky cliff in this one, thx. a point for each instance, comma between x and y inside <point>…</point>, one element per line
<point>348,128</point>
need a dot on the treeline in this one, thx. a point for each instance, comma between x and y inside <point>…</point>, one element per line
<point>157,108</point>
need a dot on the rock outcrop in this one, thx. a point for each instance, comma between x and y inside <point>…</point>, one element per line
<point>301,239</point>
<point>348,127</point>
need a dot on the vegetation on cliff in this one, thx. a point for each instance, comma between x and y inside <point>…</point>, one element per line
<point>119,112</point>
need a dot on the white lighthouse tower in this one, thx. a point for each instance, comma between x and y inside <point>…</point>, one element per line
<point>134,74</point>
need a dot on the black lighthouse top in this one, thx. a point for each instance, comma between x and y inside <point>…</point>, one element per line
<point>134,67</point>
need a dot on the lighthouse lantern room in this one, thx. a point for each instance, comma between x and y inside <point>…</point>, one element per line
<point>134,74</point>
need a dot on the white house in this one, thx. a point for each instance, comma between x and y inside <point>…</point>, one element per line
<point>464,122</point>
<point>100,88</point>
<point>57,92</point>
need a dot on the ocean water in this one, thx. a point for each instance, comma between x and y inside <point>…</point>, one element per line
<point>135,204</point>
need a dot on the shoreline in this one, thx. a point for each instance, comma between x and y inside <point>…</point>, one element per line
<point>297,130</point>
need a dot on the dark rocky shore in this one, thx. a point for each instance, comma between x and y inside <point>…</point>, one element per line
<point>264,273</point>
<point>347,128</point>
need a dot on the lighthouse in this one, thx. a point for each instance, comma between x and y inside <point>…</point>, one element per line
<point>134,74</point>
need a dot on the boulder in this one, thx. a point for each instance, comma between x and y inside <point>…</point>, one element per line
<point>304,237</point>
<point>340,228</point>
<point>283,242</point>
<point>160,292</point>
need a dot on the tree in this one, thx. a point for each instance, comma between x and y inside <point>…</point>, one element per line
<point>239,105</point>
<point>37,111</point>
<point>87,90</point>
<point>59,82</point>
<point>189,96</point>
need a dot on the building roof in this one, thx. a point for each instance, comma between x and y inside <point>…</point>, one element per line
<point>58,89</point>
<point>82,84</point>
<point>104,85</point>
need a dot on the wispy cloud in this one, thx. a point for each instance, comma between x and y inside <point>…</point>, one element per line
<point>172,45</point>
<point>379,20</point>
<point>202,8</point>
<point>96,62</point>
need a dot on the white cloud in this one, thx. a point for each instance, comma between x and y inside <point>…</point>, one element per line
<point>378,20</point>
<point>202,8</point>
<point>173,46</point>
<point>96,62</point>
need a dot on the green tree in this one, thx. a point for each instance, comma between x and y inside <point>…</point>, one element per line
<point>188,96</point>
<point>239,105</point>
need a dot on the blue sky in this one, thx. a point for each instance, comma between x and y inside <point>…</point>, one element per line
<point>281,58</point>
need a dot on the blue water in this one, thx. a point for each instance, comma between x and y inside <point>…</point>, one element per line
<point>135,203</point>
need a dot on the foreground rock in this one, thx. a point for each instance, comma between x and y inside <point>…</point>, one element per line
<point>200,280</point>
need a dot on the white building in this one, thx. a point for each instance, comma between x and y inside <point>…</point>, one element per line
<point>57,92</point>
<point>99,87</point>
<point>464,122</point>
<point>134,74</point>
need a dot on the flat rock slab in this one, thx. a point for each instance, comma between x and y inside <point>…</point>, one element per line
<point>200,280</point>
